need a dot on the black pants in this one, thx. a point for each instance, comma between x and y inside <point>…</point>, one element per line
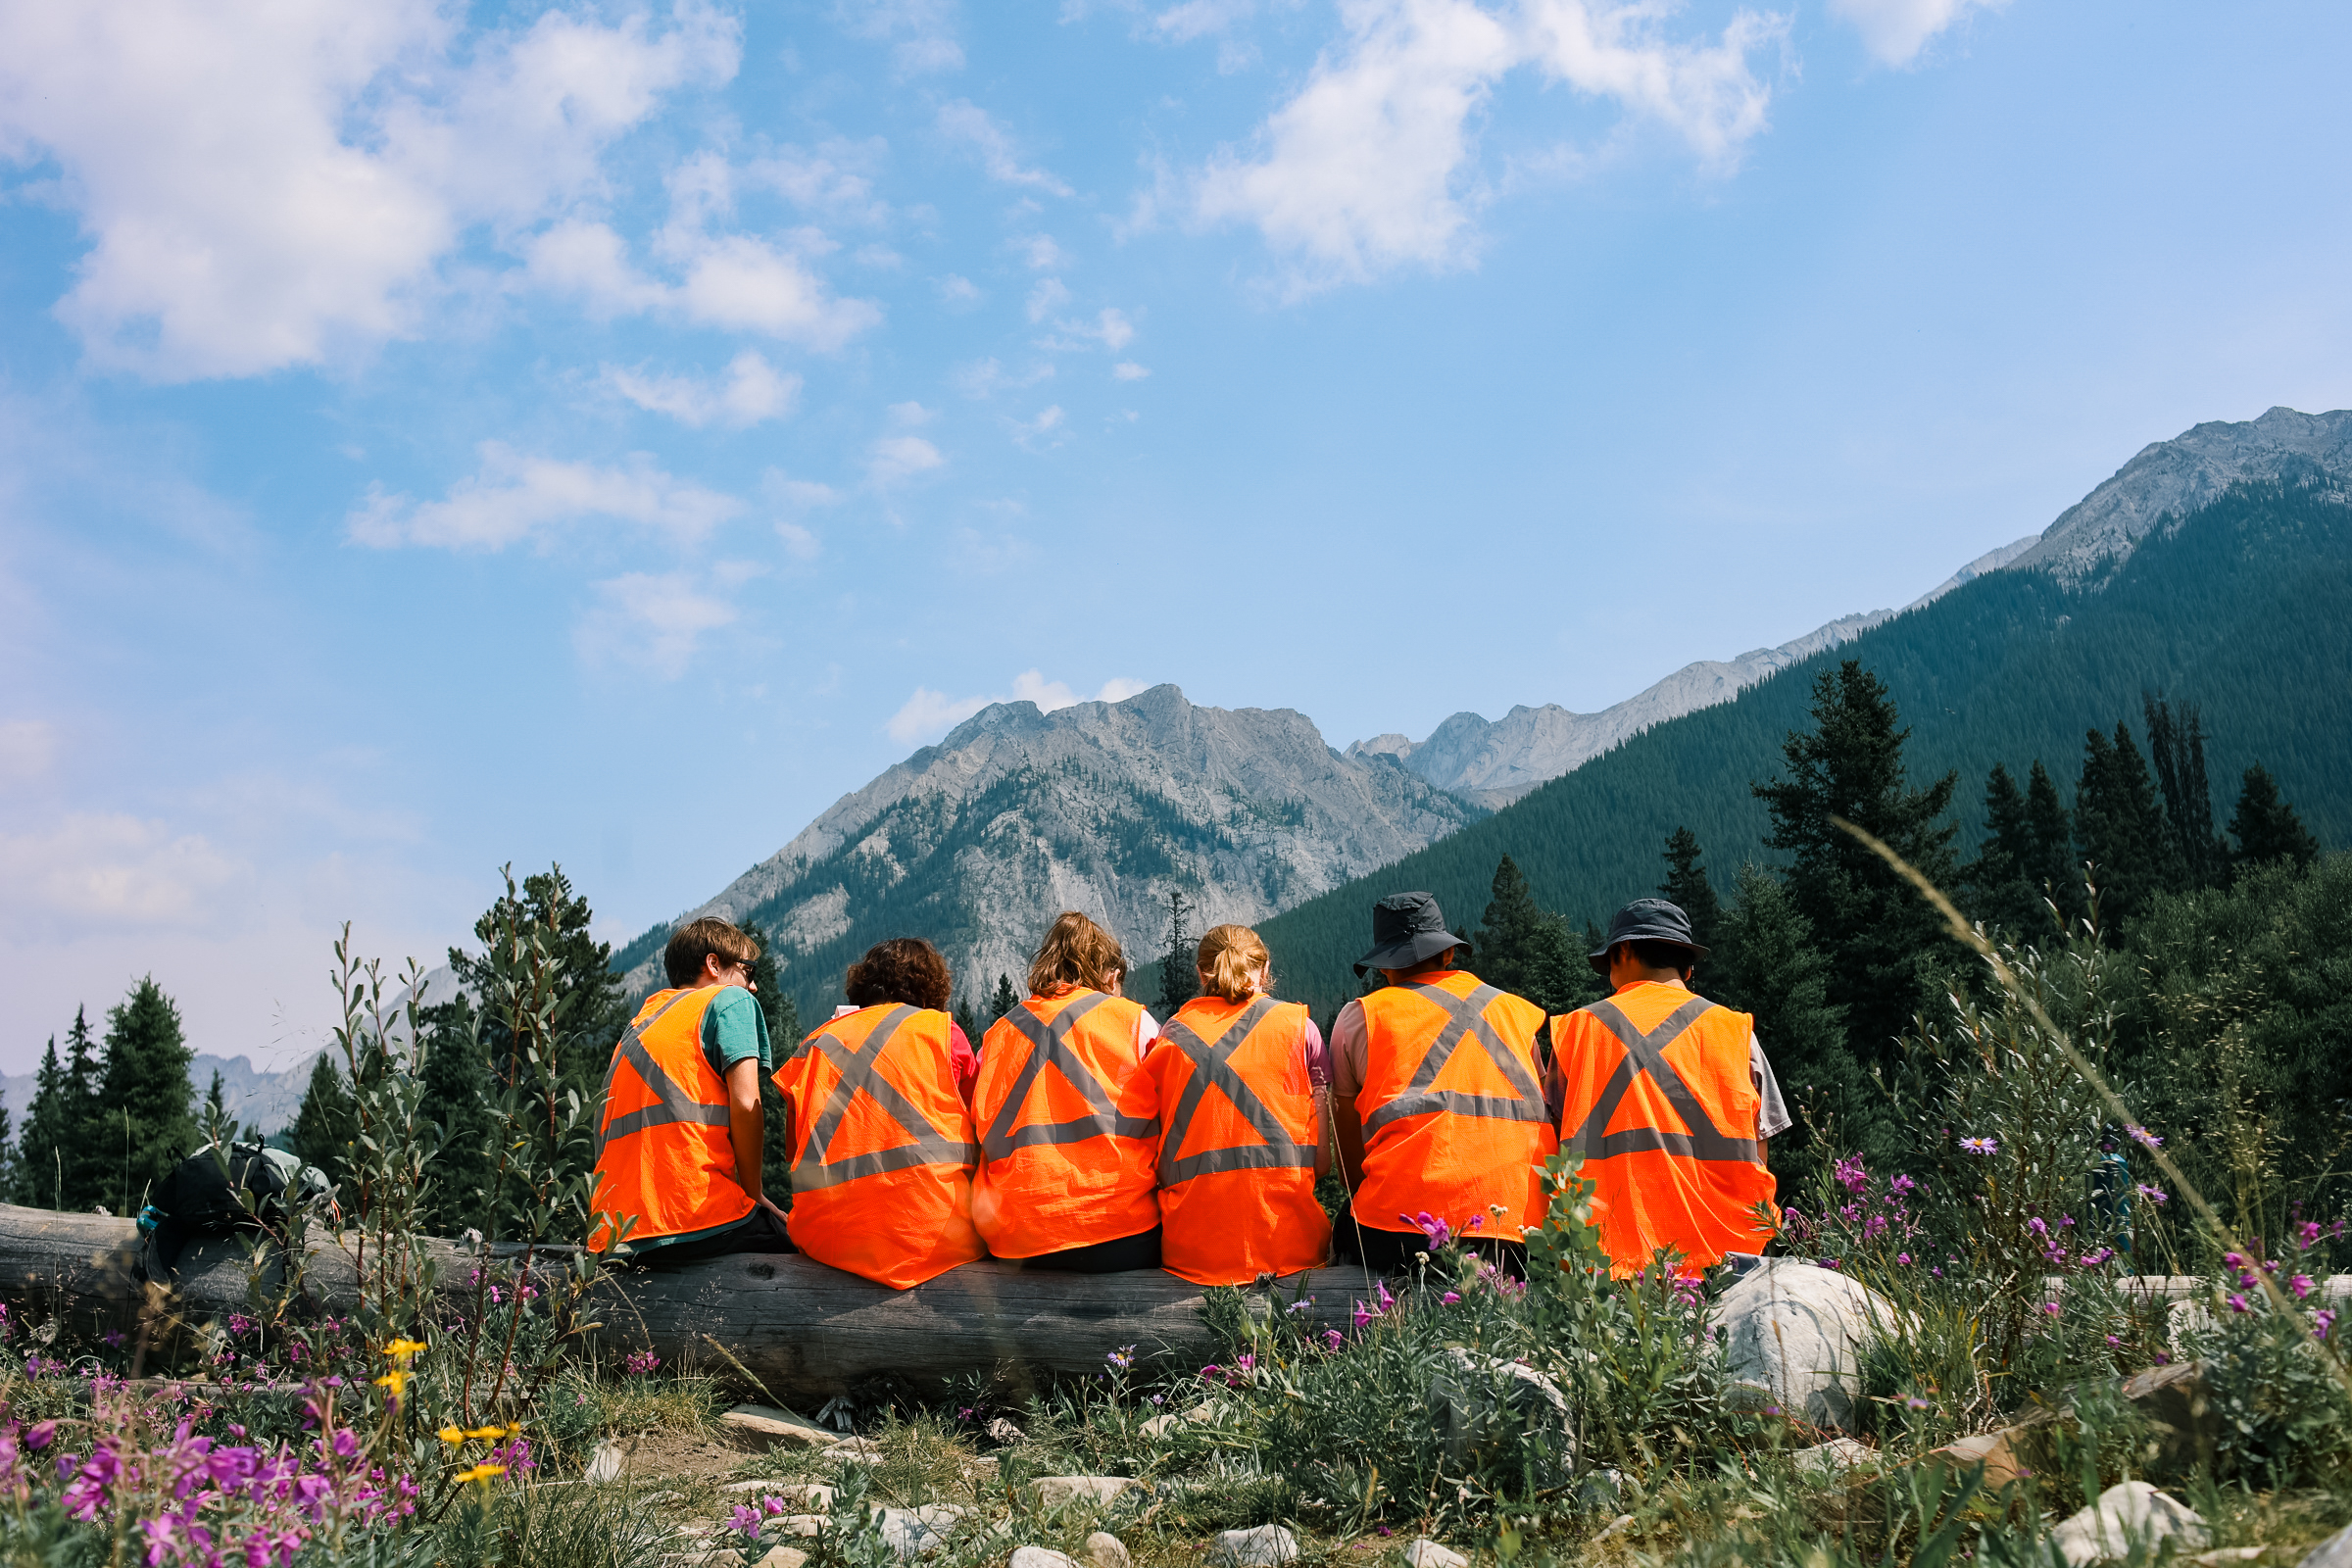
<point>761,1232</point>
<point>1103,1257</point>
<point>1394,1252</point>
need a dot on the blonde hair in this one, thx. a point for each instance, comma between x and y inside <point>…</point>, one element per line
<point>697,940</point>
<point>1076,951</point>
<point>1230,960</point>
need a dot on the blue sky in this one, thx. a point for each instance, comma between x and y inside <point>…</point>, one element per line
<point>435,436</point>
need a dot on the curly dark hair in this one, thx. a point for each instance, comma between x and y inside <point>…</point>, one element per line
<point>905,969</point>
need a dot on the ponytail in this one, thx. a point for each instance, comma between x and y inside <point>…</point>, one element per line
<point>1230,960</point>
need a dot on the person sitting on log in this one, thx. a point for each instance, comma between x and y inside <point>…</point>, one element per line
<point>1235,1079</point>
<point>879,1127</point>
<point>1440,1116</point>
<point>1068,1176</point>
<point>678,1146</point>
<point>1669,1098</point>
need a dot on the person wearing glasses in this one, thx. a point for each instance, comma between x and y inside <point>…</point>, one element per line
<point>678,1144</point>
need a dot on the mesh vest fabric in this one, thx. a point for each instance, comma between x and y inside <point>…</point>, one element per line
<point>1659,1101</point>
<point>664,1154</point>
<point>1067,1159</point>
<point>1237,1142</point>
<point>1454,1115</point>
<point>882,1147</point>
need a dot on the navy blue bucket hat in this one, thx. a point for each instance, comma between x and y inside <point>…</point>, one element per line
<point>1407,930</point>
<point>1647,920</point>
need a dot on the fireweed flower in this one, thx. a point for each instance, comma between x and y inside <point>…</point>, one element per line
<point>1851,1175</point>
<point>2301,1285</point>
<point>2050,1307</point>
<point>2322,1320</point>
<point>2154,1195</point>
<point>1902,1187</point>
<point>1332,1339</point>
<point>745,1521</point>
<point>1449,1298</point>
<point>2238,1304</point>
<point>1980,1146</point>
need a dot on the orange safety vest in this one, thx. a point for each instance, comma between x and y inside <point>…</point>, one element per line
<point>1660,1101</point>
<point>1237,1167</point>
<point>882,1147</point>
<point>664,1152</point>
<point>1449,1130</point>
<point>1064,1159</point>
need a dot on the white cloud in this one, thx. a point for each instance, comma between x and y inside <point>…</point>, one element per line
<point>895,459</point>
<point>1364,171</point>
<point>515,496</point>
<point>958,289</point>
<point>796,495</point>
<point>1041,253</point>
<point>1030,433</point>
<point>965,122</point>
<point>835,179</point>
<point>730,281</point>
<point>910,415</point>
<point>115,868</point>
<point>1201,19</point>
<point>1050,295</point>
<point>272,186</point>
<point>1114,329</point>
<point>798,542</point>
<point>28,749</point>
<point>987,377</point>
<point>921,32</point>
<point>1128,370</point>
<point>750,391</point>
<point>654,620</point>
<point>928,714</point>
<point>1895,31</point>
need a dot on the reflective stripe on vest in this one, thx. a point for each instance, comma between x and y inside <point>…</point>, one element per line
<point>858,1069</point>
<point>1050,1042</point>
<point>1465,1020</point>
<point>672,1102</point>
<point>1646,1053</point>
<point>1210,1066</point>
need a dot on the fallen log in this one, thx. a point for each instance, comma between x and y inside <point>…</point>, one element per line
<point>803,1331</point>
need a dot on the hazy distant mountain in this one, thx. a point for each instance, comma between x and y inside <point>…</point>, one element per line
<point>268,1101</point>
<point>1494,762</point>
<point>1101,807</point>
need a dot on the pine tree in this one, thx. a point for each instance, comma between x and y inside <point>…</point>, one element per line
<point>1178,970</point>
<point>149,1121</point>
<point>590,1010</point>
<point>216,1110</point>
<point>2266,827</point>
<point>327,1123</point>
<point>2050,865</point>
<point>1781,977</point>
<point>1686,886</point>
<point>784,1043</point>
<point>2119,828</point>
<point>2024,861</point>
<point>1885,945</point>
<point>454,1090</point>
<point>2177,744</point>
<point>84,1116</point>
<point>1526,949</point>
<point>968,1021</point>
<point>1005,1000</point>
<point>40,1155</point>
<point>8,1154</point>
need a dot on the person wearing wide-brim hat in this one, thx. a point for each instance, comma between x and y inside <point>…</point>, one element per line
<point>1436,1098</point>
<point>1669,1099</point>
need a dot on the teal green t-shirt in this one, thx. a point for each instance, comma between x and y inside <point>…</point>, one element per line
<point>734,1030</point>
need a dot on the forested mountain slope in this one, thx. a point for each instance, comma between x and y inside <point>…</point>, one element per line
<point>2243,607</point>
<point>977,842</point>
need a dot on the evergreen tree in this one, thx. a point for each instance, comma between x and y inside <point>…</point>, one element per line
<point>327,1122</point>
<point>1781,977</point>
<point>1005,1000</point>
<point>2266,827</point>
<point>1687,886</point>
<point>2026,858</point>
<point>40,1155</point>
<point>1178,970</point>
<point>590,1010</point>
<point>84,1139</point>
<point>2176,743</point>
<point>968,1021</point>
<point>8,1155</point>
<point>2119,828</point>
<point>149,1121</point>
<point>216,1110</point>
<point>784,1043</point>
<point>1885,945</point>
<point>1526,949</point>
<point>2051,866</point>
<point>454,1095</point>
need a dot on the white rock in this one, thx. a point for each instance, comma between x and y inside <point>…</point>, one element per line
<point>1105,1550</point>
<point>1056,1491</point>
<point>606,1464</point>
<point>1040,1558</point>
<point>1004,1434</point>
<point>855,1451</point>
<point>1615,1527</point>
<point>1159,1426</point>
<point>1263,1547</point>
<point>806,1524</point>
<point>1488,1407</point>
<point>2333,1553</point>
<point>1426,1554</point>
<point>1795,1336</point>
<point>2128,1511</point>
<point>1838,1453</point>
<point>810,1495</point>
<point>784,1557</point>
<point>763,1426</point>
<point>914,1532</point>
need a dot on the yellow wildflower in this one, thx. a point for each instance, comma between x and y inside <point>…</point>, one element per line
<point>486,1433</point>
<point>396,1380</point>
<point>482,1473</point>
<point>403,1348</point>
<point>452,1436</point>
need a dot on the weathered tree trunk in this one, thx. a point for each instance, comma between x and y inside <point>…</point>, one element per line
<point>803,1330</point>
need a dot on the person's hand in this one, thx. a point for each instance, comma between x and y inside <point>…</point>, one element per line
<point>769,1203</point>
